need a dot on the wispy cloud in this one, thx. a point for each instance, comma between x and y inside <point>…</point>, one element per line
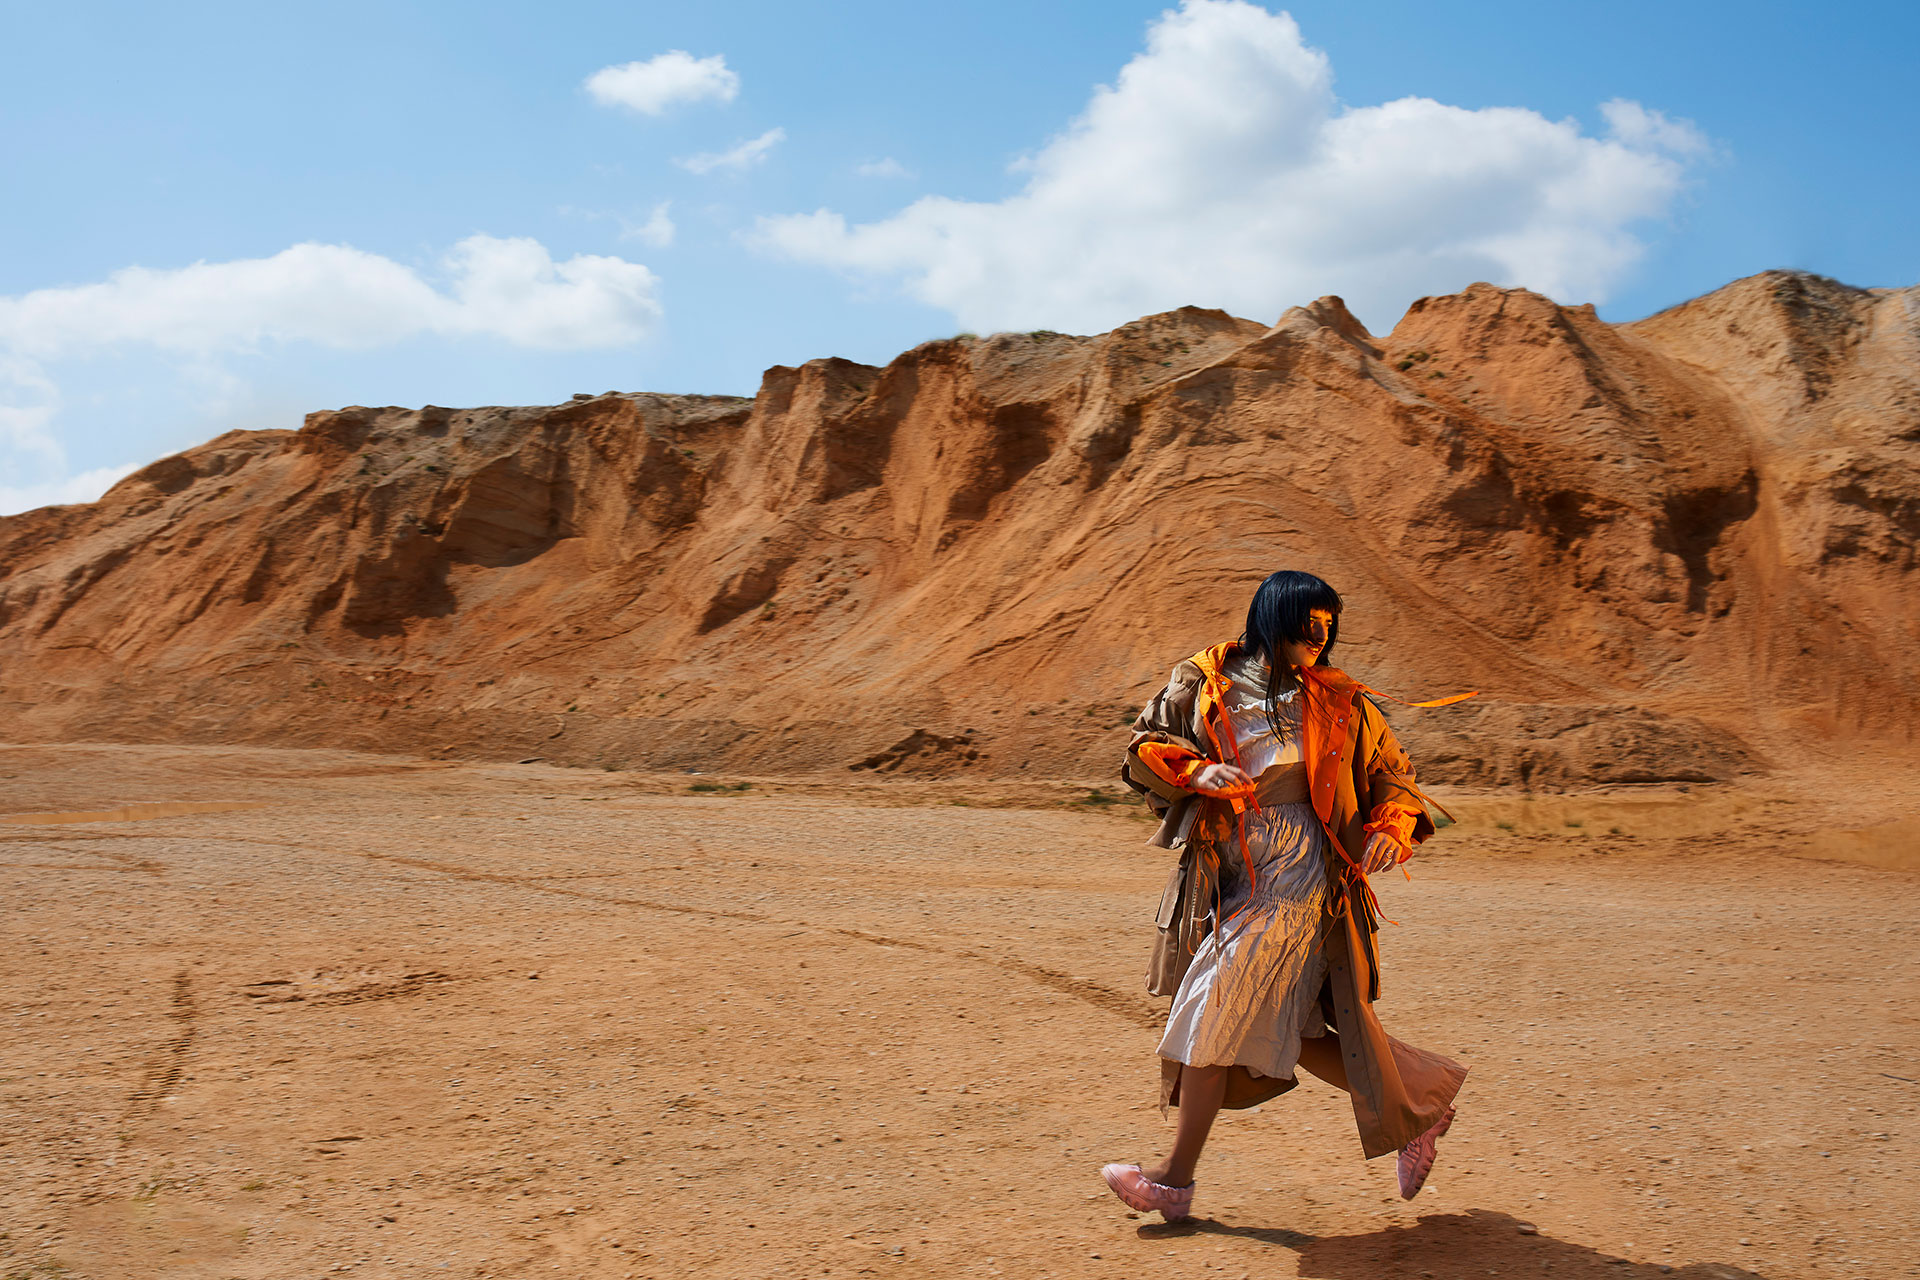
<point>886,167</point>
<point>658,230</point>
<point>654,86</point>
<point>1635,126</point>
<point>740,158</point>
<point>85,487</point>
<point>28,401</point>
<point>1220,169</point>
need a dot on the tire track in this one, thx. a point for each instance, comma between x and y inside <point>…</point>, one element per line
<point>117,862</point>
<point>57,843</point>
<point>1082,989</point>
<point>1133,1009</point>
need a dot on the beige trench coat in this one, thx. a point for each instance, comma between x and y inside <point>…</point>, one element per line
<point>1354,765</point>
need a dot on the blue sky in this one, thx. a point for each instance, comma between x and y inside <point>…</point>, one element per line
<point>426,203</point>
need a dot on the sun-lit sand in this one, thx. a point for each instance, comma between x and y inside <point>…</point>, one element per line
<point>412,1018</point>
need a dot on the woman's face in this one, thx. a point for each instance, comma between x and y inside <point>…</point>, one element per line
<point>1304,653</point>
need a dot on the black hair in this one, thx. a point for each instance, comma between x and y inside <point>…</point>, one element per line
<point>1280,611</point>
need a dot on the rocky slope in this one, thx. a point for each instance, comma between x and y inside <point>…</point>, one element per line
<point>1678,549</point>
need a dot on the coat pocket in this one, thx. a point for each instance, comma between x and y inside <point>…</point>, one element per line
<point>1167,964</point>
<point>1170,896</point>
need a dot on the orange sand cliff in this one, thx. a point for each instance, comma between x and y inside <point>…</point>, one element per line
<point>1678,549</point>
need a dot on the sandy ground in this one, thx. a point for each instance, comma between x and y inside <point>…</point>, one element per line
<point>407,1018</point>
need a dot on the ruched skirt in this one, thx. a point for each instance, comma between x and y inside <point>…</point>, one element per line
<point>1252,991</point>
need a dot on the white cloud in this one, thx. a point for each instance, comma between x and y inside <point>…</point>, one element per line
<point>1220,170</point>
<point>1634,125</point>
<point>886,167</point>
<point>512,289</point>
<point>28,401</point>
<point>509,290</point>
<point>85,487</point>
<point>744,156</point>
<point>658,230</point>
<point>338,296</point>
<point>651,87</point>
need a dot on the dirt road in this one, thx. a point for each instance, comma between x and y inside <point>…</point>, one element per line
<point>406,1018</point>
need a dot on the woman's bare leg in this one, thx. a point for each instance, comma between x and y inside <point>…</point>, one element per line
<point>1202,1090</point>
<point>1321,1055</point>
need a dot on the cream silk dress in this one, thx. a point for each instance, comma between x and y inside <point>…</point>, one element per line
<point>1252,990</point>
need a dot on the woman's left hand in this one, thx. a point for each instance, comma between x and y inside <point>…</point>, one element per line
<point>1383,853</point>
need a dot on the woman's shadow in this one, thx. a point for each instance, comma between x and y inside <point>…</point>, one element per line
<point>1448,1246</point>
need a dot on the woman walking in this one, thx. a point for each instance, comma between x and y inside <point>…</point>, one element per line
<point>1284,788</point>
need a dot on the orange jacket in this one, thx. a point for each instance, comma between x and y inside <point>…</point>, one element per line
<point>1330,732</point>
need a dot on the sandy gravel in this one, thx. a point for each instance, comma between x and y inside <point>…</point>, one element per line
<point>407,1018</point>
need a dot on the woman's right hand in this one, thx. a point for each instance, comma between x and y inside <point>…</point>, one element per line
<point>1222,780</point>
